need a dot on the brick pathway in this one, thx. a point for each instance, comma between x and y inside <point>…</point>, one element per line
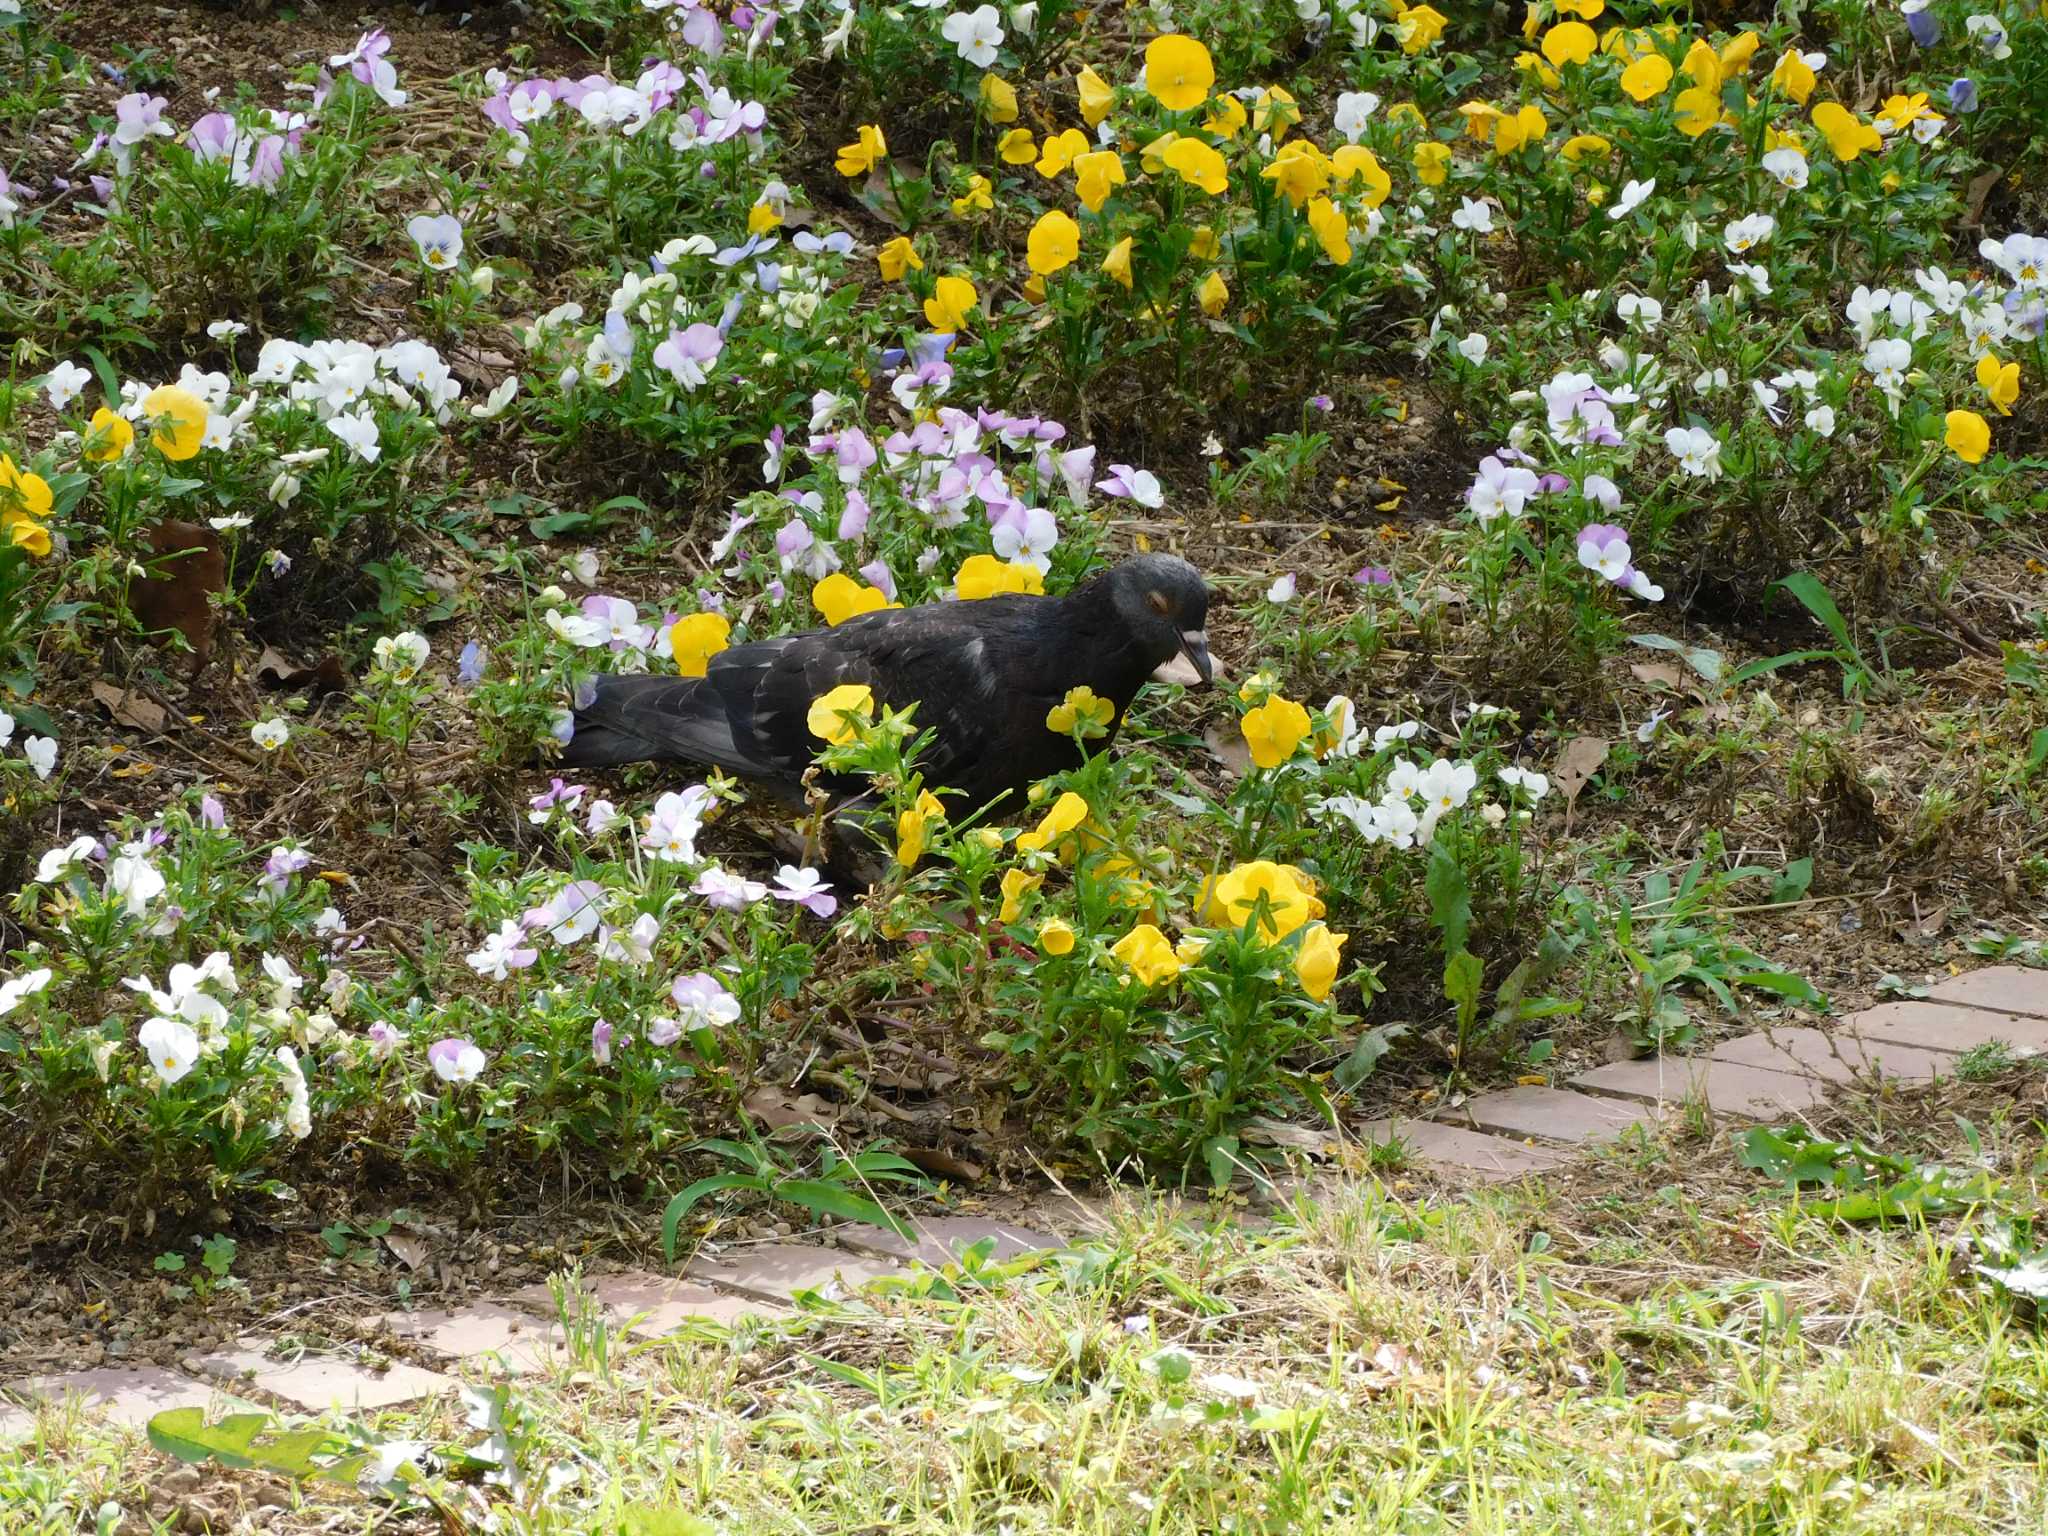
<point>1507,1134</point>
<point>1770,1075</point>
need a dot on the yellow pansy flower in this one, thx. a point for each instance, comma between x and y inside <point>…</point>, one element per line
<point>1178,72</point>
<point>1527,126</point>
<point>1331,229</point>
<point>1794,76</point>
<point>1096,96</point>
<point>866,151</point>
<point>179,419</point>
<point>1060,151</point>
<point>910,837</point>
<point>828,717</point>
<point>1580,145</point>
<point>1146,954</point>
<point>1017,884</point>
<point>839,598</point>
<point>1229,900</point>
<point>1317,959</point>
<point>1569,42</point>
<point>1353,162</point>
<point>1017,147</point>
<point>1197,164</point>
<point>986,576</point>
<point>1274,111</point>
<point>897,257</point>
<point>1696,110</point>
<point>1999,381</point>
<point>1118,262</point>
<point>953,300</point>
<point>1067,813</point>
<point>1300,171</point>
<point>1274,730</point>
<point>695,638</point>
<point>1737,52</point>
<point>1432,163</point>
<point>1082,711</point>
<point>108,436</point>
<point>1203,244</point>
<point>1968,436</point>
<point>1648,78</point>
<point>1054,242</point>
<point>1585,10</point>
<point>1847,134</point>
<point>1096,175</point>
<point>1055,937</point>
<point>1213,294</point>
<point>1418,27</point>
<point>1000,97</point>
<point>1703,64</point>
<point>1406,115</point>
<point>976,196</point>
<point>1227,118</point>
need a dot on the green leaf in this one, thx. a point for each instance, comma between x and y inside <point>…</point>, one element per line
<point>1794,883</point>
<point>1450,896</point>
<point>1463,974</point>
<point>1783,983</point>
<point>824,1199</point>
<point>1756,669</point>
<point>1365,1055</point>
<point>238,1441</point>
<point>679,1207</point>
<point>2037,752</point>
<point>646,1520</point>
<point>1807,587</point>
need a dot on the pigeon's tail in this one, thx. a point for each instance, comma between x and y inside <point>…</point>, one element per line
<point>637,719</point>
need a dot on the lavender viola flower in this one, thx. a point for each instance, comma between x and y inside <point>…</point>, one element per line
<point>701,29</point>
<point>839,243</point>
<point>1921,22</point>
<point>703,1001</point>
<point>573,915</point>
<point>877,575</point>
<point>383,1041</point>
<point>438,238</point>
<point>1139,485</point>
<point>263,166</point>
<point>727,891</point>
<point>601,1042</point>
<point>212,138</point>
<point>283,863</point>
<point>1322,403</point>
<point>807,888</point>
<point>211,814</point>
<point>367,62</point>
<point>469,667</point>
<point>1374,576</point>
<point>1499,489</point>
<point>137,117</point>
<point>1604,548</point>
<point>456,1061</point>
<point>689,354</point>
<point>557,795</point>
<point>1962,94</point>
<point>853,521</point>
<point>502,953</point>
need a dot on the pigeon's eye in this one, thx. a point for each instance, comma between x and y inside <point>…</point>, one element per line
<point>1158,602</point>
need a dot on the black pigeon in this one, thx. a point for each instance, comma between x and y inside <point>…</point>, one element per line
<point>983,675</point>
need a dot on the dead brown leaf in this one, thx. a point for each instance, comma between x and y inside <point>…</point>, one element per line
<point>1227,745</point>
<point>187,569</point>
<point>779,1110</point>
<point>1578,762</point>
<point>130,708</point>
<point>275,670</point>
<point>1658,674</point>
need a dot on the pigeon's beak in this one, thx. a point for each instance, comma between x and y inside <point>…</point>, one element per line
<point>1193,666</point>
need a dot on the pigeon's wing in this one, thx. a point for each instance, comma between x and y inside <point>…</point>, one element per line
<point>637,718</point>
<point>949,659</point>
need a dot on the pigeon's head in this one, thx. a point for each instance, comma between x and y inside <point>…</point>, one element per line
<point>1162,601</point>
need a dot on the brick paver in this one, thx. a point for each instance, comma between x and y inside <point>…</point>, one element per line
<point>777,1271</point>
<point>520,1344</point>
<point>1946,1027</point>
<point>657,1306</point>
<point>1841,1057</point>
<point>1727,1088</point>
<point>320,1382</point>
<point>1489,1159</point>
<point>937,1240</point>
<point>130,1398</point>
<point>2003,988</point>
<point>1554,1114</point>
